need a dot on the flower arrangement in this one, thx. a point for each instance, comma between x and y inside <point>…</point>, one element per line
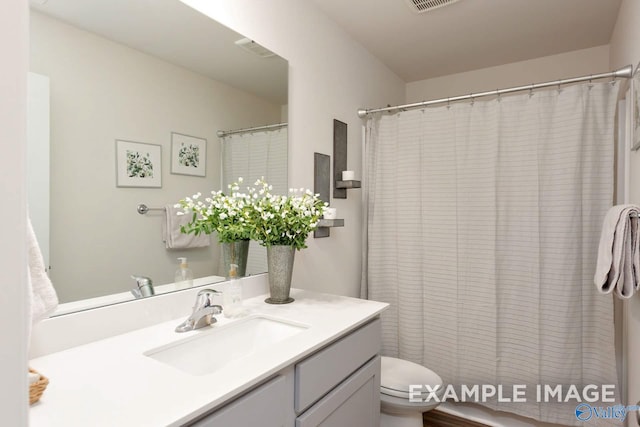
<point>270,219</point>
<point>227,215</point>
<point>284,220</point>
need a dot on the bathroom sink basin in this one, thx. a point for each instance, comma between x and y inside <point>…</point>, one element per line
<point>208,351</point>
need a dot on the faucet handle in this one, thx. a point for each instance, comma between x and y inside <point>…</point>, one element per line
<point>203,312</point>
<point>144,286</point>
<point>205,298</point>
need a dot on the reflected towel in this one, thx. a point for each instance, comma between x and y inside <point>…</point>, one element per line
<point>618,267</point>
<point>43,298</point>
<point>173,237</point>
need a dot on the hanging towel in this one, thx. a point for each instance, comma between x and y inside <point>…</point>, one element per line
<point>43,300</point>
<point>618,267</point>
<point>174,238</point>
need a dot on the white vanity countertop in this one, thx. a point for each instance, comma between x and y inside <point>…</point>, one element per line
<point>111,382</point>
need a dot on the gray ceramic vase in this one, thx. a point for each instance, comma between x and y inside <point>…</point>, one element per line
<point>235,253</point>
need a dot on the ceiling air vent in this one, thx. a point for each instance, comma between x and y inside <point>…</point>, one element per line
<point>255,48</point>
<point>421,6</point>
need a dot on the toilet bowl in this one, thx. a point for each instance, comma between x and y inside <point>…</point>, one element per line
<point>396,409</point>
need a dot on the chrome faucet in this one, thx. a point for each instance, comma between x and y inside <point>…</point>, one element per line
<point>203,312</point>
<point>144,288</point>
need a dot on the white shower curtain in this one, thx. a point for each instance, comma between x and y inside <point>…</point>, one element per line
<point>255,155</point>
<point>483,226</point>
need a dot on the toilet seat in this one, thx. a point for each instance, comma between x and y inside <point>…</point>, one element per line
<point>398,374</point>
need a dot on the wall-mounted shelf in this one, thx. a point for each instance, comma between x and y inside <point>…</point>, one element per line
<point>339,157</point>
<point>348,184</point>
<point>321,186</point>
<point>325,225</point>
<point>331,223</point>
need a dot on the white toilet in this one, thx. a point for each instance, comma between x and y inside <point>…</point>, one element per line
<point>396,376</point>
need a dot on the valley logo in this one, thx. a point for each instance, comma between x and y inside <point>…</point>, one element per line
<point>585,412</point>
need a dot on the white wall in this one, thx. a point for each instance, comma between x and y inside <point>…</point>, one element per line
<point>13,134</point>
<point>330,76</point>
<point>570,64</point>
<point>102,91</point>
<point>625,49</point>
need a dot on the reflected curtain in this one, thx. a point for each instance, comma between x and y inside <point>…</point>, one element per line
<point>483,222</point>
<point>252,156</point>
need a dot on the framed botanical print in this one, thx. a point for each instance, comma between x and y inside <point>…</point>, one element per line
<point>188,155</point>
<point>138,164</point>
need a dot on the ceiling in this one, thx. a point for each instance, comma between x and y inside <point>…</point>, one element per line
<point>471,34</point>
<point>178,34</point>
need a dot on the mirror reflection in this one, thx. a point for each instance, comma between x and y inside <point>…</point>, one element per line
<point>117,78</point>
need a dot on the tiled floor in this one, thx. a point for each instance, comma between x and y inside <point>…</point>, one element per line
<point>440,419</point>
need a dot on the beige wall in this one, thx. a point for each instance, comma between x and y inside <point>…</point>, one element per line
<point>571,64</point>
<point>102,91</point>
<point>625,49</point>
<point>331,76</point>
<point>13,133</point>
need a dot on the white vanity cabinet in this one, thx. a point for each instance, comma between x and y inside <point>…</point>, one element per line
<point>344,380</point>
<point>261,407</point>
<point>337,386</point>
<point>355,402</point>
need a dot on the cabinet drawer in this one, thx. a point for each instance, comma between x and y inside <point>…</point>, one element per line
<point>321,372</point>
<point>262,407</point>
<point>355,402</point>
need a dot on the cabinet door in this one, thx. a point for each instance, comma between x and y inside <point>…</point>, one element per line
<point>262,407</point>
<point>354,403</point>
<point>323,371</point>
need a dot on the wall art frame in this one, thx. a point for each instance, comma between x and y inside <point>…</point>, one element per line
<point>188,155</point>
<point>138,164</point>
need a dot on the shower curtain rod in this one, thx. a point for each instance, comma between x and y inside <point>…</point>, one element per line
<point>223,133</point>
<point>624,72</point>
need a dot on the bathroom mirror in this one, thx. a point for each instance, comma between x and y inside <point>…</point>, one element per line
<point>147,73</point>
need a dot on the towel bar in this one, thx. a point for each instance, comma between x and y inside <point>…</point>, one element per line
<point>143,209</point>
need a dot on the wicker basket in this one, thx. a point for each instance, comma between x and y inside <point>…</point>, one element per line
<point>36,389</point>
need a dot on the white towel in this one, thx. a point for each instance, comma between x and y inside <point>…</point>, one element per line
<point>44,299</point>
<point>618,267</point>
<point>174,238</point>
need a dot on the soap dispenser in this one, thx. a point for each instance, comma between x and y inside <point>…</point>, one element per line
<point>232,295</point>
<point>184,275</point>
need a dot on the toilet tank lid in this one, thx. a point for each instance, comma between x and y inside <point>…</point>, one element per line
<point>398,374</point>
